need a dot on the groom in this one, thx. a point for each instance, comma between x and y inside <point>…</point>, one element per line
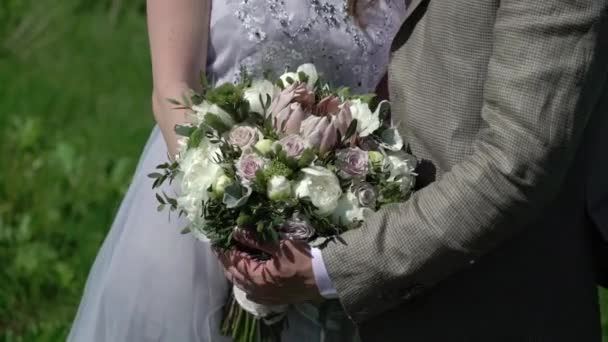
<point>505,100</point>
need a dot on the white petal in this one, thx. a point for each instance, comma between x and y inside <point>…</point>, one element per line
<point>392,139</point>
<point>309,70</point>
<point>259,88</point>
<point>291,75</point>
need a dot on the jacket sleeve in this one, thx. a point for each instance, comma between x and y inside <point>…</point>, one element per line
<point>542,83</point>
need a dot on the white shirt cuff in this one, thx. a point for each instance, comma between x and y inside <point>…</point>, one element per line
<point>324,284</point>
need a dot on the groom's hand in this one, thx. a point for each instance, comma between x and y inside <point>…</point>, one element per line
<point>286,278</point>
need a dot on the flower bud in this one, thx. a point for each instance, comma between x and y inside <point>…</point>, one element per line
<point>265,146</point>
<point>221,184</point>
<point>279,188</point>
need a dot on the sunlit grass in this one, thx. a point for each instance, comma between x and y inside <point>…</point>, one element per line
<point>74,118</point>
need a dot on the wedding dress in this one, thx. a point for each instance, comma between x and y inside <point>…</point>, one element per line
<point>151,283</point>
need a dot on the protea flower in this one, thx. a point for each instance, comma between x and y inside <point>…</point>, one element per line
<point>330,120</point>
<point>291,107</point>
<point>289,119</point>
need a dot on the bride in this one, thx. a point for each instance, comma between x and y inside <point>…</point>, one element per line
<point>149,282</point>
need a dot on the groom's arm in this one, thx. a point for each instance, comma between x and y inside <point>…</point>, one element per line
<point>538,95</point>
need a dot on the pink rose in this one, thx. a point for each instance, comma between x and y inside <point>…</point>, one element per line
<point>244,136</point>
<point>353,162</point>
<point>293,145</point>
<point>248,165</point>
<point>296,228</point>
<point>366,195</point>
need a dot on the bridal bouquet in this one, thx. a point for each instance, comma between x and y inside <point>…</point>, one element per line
<point>289,159</point>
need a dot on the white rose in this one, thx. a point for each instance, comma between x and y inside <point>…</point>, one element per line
<point>348,210</point>
<point>289,76</point>
<point>259,89</point>
<point>220,185</point>
<point>321,186</point>
<point>367,122</point>
<point>197,174</point>
<point>279,188</point>
<point>402,168</point>
<point>401,164</point>
<point>205,108</point>
<point>310,71</point>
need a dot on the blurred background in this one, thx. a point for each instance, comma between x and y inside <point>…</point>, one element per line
<point>75,91</point>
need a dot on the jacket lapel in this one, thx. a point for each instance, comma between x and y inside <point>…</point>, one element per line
<point>411,6</point>
<point>415,11</point>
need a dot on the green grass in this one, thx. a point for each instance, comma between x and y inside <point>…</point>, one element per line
<point>74,115</point>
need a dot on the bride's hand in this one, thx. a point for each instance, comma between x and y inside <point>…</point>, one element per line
<point>286,278</point>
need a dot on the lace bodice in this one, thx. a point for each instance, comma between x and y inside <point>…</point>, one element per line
<point>273,35</point>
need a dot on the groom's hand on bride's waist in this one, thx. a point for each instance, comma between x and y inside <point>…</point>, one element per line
<point>286,278</point>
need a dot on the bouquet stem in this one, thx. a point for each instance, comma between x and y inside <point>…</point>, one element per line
<point>243,326</point>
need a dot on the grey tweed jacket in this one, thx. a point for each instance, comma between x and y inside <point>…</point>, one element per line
<point>495,97</point>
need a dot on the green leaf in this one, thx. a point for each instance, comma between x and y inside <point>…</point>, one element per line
<point>186,230</point>
<point>243,220</point>
<point>171,201</point>
<point>344,93</point>
<point>367,98</point>
<point>195,138</point>
<point>203,80</point>
<point>154,175</point>
<point>216,123</point>
<point>352,129</point>
<point>303,77</point>
<point>160,199</point>
<point>274,236</point>
<point>308,156</point>
<point>184,130</point>
<point>235,195</point>
<point>160,207</point>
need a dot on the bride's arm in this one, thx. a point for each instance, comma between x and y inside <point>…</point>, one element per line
<point>178,31</point>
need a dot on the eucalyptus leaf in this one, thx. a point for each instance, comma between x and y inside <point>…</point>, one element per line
<point>184,130</point>
<point>216,123</point>
<point>154,175</point>
<point>195,138</point>
<point>235,195</point>
<point>391,139</point>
